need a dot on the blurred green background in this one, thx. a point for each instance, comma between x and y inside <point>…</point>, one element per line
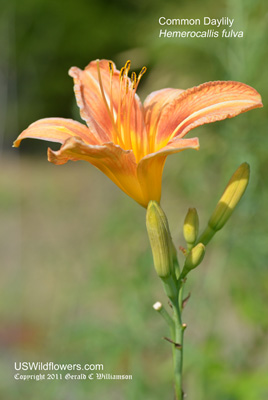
<point>77,281</point>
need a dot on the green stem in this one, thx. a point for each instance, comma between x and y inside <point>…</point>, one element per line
<point>206,236</point>
<point>170,287</point>
<point>178,346</point>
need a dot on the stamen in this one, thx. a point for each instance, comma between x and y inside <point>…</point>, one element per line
<point>125,104</point>
<point>125,71</point>
<point>127,134</point>
<point>120,105</point>
<point>143,70</point>
<point>122,73</point>
<point>133,80</point>
<point>127,67</point>
<point>114,131</point>
<point>137,144</point>
<point>111,68</point>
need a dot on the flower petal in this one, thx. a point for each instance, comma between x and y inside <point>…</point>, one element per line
<point>89,98</point>
<point>209,102</point>
<point>118,164</point>
<point>150,168</point>
<point>156,101</point>
<point>56,130</point>
<point>154,105</point>
<point>100,95</point>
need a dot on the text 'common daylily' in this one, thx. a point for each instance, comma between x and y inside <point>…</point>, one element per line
<point>129,141</point>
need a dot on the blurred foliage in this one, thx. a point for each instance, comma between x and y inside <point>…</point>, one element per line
<point>77,282</point>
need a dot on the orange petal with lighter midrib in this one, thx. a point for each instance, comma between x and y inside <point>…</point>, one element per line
<point>56,130</point>
<point>209,102</point>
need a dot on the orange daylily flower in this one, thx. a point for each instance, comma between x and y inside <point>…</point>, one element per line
<point>129,141</point>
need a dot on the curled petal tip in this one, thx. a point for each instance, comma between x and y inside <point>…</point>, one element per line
<point>16,143</point>
<point>74,72</point>
<point>197,146</point>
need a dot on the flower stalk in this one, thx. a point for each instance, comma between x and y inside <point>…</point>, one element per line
<point>167,265</point>
<point>178,346</point>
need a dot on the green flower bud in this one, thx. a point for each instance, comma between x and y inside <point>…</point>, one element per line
<point>231,196</point>
<point>193,259</point>
<point>191,226</point>
<point>160,239</point>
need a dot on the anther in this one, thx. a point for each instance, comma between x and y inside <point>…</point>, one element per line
<point>133,79</point>
<point>122,73</point>
<point>127,66</point>
<point>111,68</point>
<point>143,70</point>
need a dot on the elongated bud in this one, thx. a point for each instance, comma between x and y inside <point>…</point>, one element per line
<point>193,259</point>
<point>160,239</point>
<point>231,196</point>
<point>191,226</point>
